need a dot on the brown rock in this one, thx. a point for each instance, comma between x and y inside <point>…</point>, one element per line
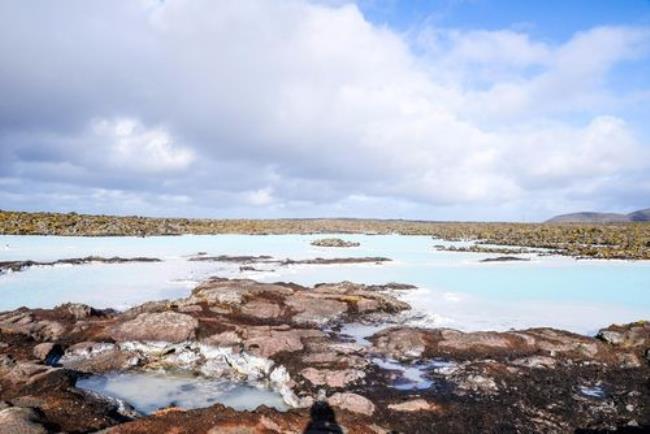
<point>313,310</point>
<point>28,372</point>
<point>352,402</point>
<point>332,378</point>
<point>78,310</point>
<point>454,340</point>
<point>414,405</point>
<point>367,305</point>
<point>21,322</point>
<point>318,358</point>
<point>224,339</point>
<point>165,326</point>
<point>190,308</point>
<point>18,420</point>
<point>403,344</point>
<point>268,341</point>
<point>234,291</point>
<point>261,309</point>
<point>41,351</point>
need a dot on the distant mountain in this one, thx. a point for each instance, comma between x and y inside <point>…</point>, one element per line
<point>601,217</point>
<point>640,216</point>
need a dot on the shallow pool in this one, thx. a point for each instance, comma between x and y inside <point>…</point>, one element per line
<point>151,391</point>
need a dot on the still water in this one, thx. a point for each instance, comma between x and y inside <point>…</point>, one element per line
<point>151,391</point>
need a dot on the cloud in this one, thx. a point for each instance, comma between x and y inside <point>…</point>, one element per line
<point>129,145</point>
<point>303,108</point>
<point>259,197</point>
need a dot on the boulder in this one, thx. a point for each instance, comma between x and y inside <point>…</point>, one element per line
<point>352,402</point>
<point>315,310</point>
<point>268,341</point>
<point>165,326</point>
<point>21,322</point>
<point>48,352</point>
<point>190,308</point>
<point>457,341</point>
<point>98,357</point>
<point>228,338</point>
<point>30,373</point>
<point>400,343</point>
<point>334,242</point>
<point>235,291</point>
<point>261,309</point>
<point>19,420</point>
<point>634,335</point>
<point>78,310</point>
<point>332,378</point>
<point>414,405</point>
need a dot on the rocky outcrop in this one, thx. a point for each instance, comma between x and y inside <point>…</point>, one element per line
<point>332,378</point>
<point>352,402</point>
<point>268,260</point>
<point>19,420</point>
<point>287,337</point>
<point>164,326</point>
<point>24,322</point>
<point>505,259</point>
<point>336,261</point>
<point>632,336</point>
<point>334,242</point>
<point>414,405</point>
<point>288,303</point>
<point>409,343</point>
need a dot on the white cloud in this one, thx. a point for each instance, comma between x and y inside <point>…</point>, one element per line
<point>286,103</point>
<point>131,146</point>
<point>259,197</point>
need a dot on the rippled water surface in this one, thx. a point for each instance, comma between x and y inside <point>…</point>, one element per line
<point>455,289</point>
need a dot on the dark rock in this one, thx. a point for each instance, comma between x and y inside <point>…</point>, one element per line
<point>21,265</point>
<point>334,242</point>
<point>505,259</point>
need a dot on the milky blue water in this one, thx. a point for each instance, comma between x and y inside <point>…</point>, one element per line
<point>455,289</point>
<point>151,391</point>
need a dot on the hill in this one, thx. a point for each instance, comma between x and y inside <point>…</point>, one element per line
<point>601,217</point>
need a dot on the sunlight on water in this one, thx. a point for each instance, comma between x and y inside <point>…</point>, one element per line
<point>455,289</point>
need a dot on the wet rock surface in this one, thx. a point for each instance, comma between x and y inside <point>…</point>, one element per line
<point>287,337</point>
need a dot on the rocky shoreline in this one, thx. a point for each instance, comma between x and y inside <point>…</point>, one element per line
<point>589,240</point>
<point>292,339</point>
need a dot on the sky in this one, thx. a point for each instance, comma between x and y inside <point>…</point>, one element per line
<point>436,110</point>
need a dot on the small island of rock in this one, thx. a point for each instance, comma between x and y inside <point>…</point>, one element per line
<point>334,242</point>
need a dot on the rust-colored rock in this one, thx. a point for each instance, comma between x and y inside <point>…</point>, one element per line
<point>164,326</point>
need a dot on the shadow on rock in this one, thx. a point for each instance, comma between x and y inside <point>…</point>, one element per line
<point>323,420</point>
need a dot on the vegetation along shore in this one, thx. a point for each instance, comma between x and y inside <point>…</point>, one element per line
<point>625,240</point>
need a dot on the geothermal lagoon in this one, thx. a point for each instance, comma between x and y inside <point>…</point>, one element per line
<point>444,289</point>
<point>454,289</point>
